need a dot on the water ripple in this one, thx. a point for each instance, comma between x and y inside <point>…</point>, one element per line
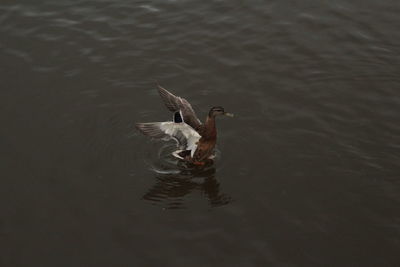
<point>176,181</point>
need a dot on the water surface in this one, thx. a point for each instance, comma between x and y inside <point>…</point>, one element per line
<point>307,172</point>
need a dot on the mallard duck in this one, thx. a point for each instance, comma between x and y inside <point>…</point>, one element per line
<point>196,140</point>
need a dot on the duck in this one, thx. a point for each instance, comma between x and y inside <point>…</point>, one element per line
<point>195,140</point>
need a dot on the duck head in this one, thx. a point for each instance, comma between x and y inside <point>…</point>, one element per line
<point>215,111</point>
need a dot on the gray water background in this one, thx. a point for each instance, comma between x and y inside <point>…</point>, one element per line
<point>307,172</point>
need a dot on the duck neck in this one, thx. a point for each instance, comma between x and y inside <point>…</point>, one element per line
<point>210,130</point>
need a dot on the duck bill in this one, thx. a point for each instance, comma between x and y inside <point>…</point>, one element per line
<point>228,114</point>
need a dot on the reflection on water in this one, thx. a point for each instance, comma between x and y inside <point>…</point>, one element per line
<point>177,180</point>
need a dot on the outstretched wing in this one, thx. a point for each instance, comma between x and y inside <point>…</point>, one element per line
<point>185,136</point>
<point>175,104</point>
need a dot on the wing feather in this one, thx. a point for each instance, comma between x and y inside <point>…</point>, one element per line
<point>175,103</point>
<point>185,135</point>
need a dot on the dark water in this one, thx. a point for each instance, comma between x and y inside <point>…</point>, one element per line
<point>307,172</point>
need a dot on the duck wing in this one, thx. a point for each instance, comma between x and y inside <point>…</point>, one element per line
<point>185,136</point>
<point>179,105</point>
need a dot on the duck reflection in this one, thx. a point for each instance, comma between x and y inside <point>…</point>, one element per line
<point>173,187</point>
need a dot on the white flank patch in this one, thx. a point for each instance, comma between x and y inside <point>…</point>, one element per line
<point>191,136</point>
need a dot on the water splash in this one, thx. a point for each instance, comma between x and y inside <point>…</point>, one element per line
<point>176,180</point>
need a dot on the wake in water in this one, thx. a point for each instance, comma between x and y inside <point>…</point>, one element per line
<point>177,179</point>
